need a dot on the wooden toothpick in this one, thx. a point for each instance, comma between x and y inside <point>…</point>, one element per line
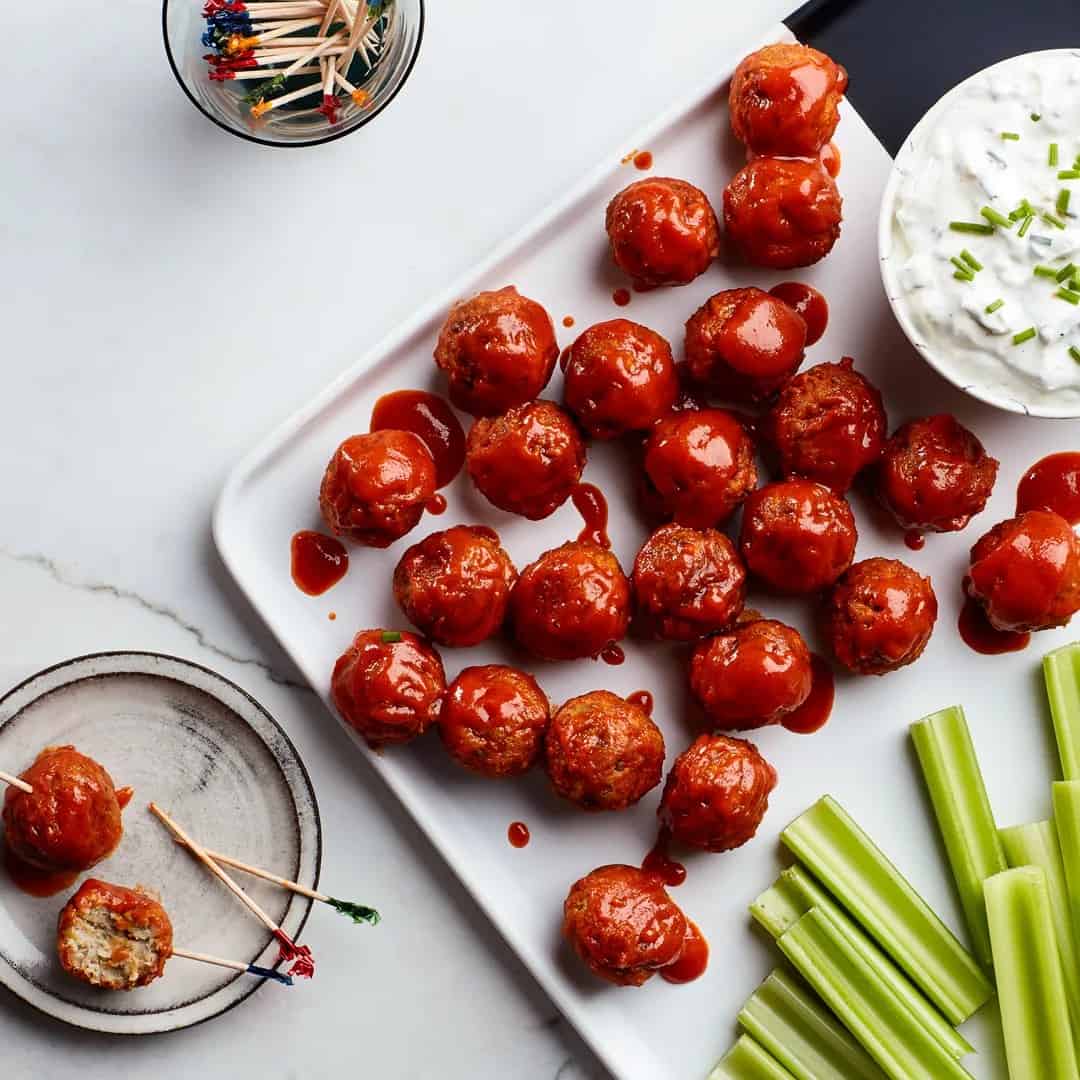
<point>15,782</point>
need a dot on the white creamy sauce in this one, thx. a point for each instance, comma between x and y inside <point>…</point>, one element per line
<point>962,164</point>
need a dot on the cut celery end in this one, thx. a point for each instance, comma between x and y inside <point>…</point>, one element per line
<point>789,1021</point>
<point>1066,794</point>
<point>1037,845</point>
<point>795,893</point>
<point>1061,670</point>
<point>823,955</point>
<point>966,822</point>
<point>748,1060</point>
<point>880,899</point>
<point>1031,991</point>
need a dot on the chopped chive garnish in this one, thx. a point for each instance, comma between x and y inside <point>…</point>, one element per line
<point>1025,225</point>
<point>1065,294</point>
<point>1065,272</point>
<point>1024,335</point>
<point>962,267</point>
<point>1010,135</point>
<point>1052,156</point>
<point>995,218</point>
<point>970,260</point>
<point>971,227</point>
<point>390,637</point>
<point>1052,219</point>
<point>1036,117</point>
<point>1046,272</point>
<point>1069,174</point>
<point>1074,352</point>
<point>1062,205</point>
<point>963,275</point>
<point>991,308</point>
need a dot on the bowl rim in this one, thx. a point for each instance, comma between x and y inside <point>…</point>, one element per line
<point>330,136</point>
<point>888,270</point>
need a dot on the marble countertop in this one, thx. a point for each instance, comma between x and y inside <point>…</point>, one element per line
<point>157,320</point>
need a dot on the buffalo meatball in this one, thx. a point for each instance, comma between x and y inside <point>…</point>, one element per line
<point>744,343</point>
<point>571,603</point>
<point>828,424</point>
<point>498,350</point>
<point>1025,572</point>
<point>934,474</point>
<point>785,99</point>
<point>797,536</point>
<point>752,675</point>
<point>879,616</point>
<point>662,231</point>
<point>493,720</point>
<point>687,583</point>
<point>527,461</point>
<point>698,467</point>
<point>717,793</point>
<point>782,212</point>
<point>71,821</point>
<point>623,924</point>
<point>376,486</point>
<point>620,377</point>
<point>603,752</point>
<point>388,686</point>
<point>454,586</point>
<point>113,937</point>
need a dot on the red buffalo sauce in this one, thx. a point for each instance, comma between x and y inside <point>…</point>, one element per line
<point>659,861</point>
<point>436,504</point>
<point>914,540</point>
<point>34,882</point>
<point>518,834</point>
<point>613,654</point>
<point>124,796</point>
<point>318,562</point>
<point>814,712</point>
<point>643,160</point>
<point>592,506</point>
<point>568,321</point>
<point>694,960</point>
<point>642,699</point>
<point>830,159</point>
<point>564,358</point>
<point>807,302</point>
<point>621,297</point>
<point>979,635</point>
<point>432,419</point>
<point>1052,484</point>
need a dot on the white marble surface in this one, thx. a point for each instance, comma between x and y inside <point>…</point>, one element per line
<point>161,309</point>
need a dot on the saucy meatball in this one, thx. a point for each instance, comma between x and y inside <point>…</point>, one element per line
<point>71,821</point>
<point>782,212</point>
<point>623,924</point>
<point>662,231</point>
<point>114,937</point>
<point>745,343</point>
<point>620,377</point>
<point>376,486</point>
<point>687,583</point>
<point>493,720</point>
<point>879,616</point>
<point>934,474</point>
<point>797,536</point>
<point>828,424</point>
<point>527,461</point>
<point>698,467</point>
<point>603,752</point>
<point>1025,572</point>
<point>498,350</point>
<point>388,686</point>
<point>454,586</point>
<point>571,603</point>
<point>752,675</point>
<point>717,793</point>
<point>785,100</point>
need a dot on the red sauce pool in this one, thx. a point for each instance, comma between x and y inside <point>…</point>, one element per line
<point>436,504</point>
<point>660,862</point>
<point>592,506</point>
<point>642,699</point>
<point>979,635</point>
<point>430,417</point>
<point>809,303</point>
<point>332,616</point>
<point>915,540</point>
<point>643,160</point>
<point>621,297</point>
<point>34,882</point>
<point>318,562</point>
<point>694,960</point>
<point>1052,484</point>
<point>568,321</point>
<point>564,358</point>
<point>518,834</point>
<point>124,796</point>
<point>830,159</point>
<point>613,654</point>
<point>814,712</point>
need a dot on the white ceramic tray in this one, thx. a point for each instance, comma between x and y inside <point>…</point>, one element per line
<point>660,1032</point>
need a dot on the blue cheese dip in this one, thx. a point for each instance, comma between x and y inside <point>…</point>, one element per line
<point>986,232</point>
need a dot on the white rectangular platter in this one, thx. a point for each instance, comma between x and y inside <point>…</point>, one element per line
<point>661,1032</point>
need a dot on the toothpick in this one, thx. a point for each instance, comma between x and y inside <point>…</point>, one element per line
<point>359,29</point>
<point>359,97</point>
<point>234,965</point>
<point>15,782</point>
<point>254,73</point>
<point>265,106</point>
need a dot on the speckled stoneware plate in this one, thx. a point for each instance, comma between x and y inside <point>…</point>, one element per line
<point>207,752</point>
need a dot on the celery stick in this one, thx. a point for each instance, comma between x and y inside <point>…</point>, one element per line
<point>1031,990</point>
<point>1061,669</point>
<point>965,820</point>
<point>1067,822</point>
<point>746,1060</point>
<point>881,900</point>
<point>904,1049</point>
<point>1037,845</point>
<point>789,1021</point>
<point>796,892</point>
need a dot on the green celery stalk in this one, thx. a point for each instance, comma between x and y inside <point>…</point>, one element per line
<point>747,1060</point>
<point>1031,990</point>
<point>962,808</point>
<point>881,900</point>
<point>823,955</point>
<point>1061,670</point>
<point>1037,845</point>
<point>795,892</point>
<point>788,1020</point>
<point>1066,794</point>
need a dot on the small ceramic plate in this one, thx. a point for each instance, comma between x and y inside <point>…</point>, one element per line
<point>210,755</point>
